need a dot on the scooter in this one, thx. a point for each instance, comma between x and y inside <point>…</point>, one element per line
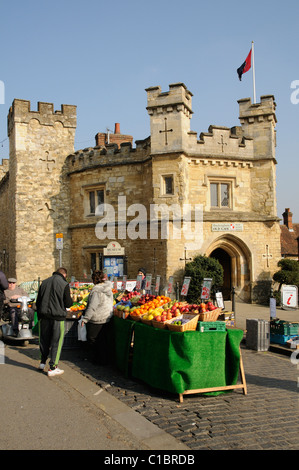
<point>24,334</point>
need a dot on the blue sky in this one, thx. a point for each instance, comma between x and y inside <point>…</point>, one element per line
<point>101,55</point>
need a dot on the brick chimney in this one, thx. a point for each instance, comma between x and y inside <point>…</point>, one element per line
<point>287,219</point>
<point>102,138</point>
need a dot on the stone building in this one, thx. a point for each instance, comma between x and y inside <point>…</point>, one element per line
<point>172,196</point>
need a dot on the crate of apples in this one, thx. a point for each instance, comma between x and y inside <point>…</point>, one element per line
<point>171,312</point>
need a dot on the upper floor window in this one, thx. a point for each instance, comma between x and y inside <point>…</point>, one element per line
<point>167,185</point>
<point>93,195</point>
<point>220,194</point>
<point>96,197</point>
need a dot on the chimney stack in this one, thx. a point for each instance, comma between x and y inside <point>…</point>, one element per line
<point>287,219</point>
<point>102,138</point>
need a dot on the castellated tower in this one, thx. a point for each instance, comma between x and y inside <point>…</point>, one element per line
<point>170,114</point>
<point>258,122</point>
<point>37,194</point>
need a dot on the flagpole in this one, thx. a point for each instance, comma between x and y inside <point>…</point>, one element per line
<point>253,72</point>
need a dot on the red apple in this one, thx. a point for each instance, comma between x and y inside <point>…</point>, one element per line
<point>158,318</point>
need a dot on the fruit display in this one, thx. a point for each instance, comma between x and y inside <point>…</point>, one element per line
<point>133,297</point>
<point>159,310</point>
<point>81,293</point>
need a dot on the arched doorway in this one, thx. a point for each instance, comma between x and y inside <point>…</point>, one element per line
<point>225,260</point>
<point>235,257</point>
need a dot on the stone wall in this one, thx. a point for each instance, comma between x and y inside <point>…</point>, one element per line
<point>39,143</point>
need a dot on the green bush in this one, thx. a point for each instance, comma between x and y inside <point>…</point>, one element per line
<point>198,269</point>
<point>288,274</point>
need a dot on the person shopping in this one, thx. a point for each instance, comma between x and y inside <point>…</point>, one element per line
<point>53,297</point>
<point>98,313</point>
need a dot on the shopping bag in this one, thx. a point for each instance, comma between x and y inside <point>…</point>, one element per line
<point>82,336</point>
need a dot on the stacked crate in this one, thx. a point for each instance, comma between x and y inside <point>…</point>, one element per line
<point>282,331</point>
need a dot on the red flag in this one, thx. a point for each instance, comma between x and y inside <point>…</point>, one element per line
<point>245,66</point>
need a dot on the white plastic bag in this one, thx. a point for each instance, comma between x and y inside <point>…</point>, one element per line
<point>82,336</point>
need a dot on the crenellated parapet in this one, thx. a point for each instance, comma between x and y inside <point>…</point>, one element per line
<point>170,113</point>
<point>221,142</point>
<point>257,112</point>
<point>258,121</point>
<point>109,155</point>
<point>20,112</point>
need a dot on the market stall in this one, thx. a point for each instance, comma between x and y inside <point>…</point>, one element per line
<point>180,362</point>
<point>171,345</point>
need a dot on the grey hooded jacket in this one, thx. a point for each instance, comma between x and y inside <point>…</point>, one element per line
<point>99,307</point>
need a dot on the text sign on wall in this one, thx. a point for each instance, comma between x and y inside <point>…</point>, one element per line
<point>227,227</point>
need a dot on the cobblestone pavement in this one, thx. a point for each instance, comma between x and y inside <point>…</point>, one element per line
<point>267,418</point>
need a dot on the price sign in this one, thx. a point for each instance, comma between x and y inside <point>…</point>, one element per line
<point>138,282</point>
<point>157,286</point>
<point>185,286</point>
<point>206,288</point>
<point>219,299</point>
<point>170,285</point>
<point>148,282</point>
<point>124,283</point>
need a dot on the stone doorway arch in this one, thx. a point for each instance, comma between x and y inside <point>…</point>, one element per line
<point>235,257</point>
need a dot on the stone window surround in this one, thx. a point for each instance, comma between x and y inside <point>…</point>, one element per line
<point>230,180</point>
<point>163,185</point>
<point>85,190</point>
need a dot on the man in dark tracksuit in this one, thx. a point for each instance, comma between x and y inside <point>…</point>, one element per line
<point>53,298</point>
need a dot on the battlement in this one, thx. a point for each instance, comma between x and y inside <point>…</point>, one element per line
<point>109,155</point>
<point>257,111</point>
<point>21,112</point>
<point>221,141</point>
<point>177,98</point>
<point>258,121</point>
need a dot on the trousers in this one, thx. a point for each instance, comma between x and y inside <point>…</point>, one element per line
<point>97,341</point>
<point>51,337</point>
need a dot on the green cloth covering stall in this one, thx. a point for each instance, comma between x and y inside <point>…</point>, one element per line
<point>176,362</point>
<point>123,331</point>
